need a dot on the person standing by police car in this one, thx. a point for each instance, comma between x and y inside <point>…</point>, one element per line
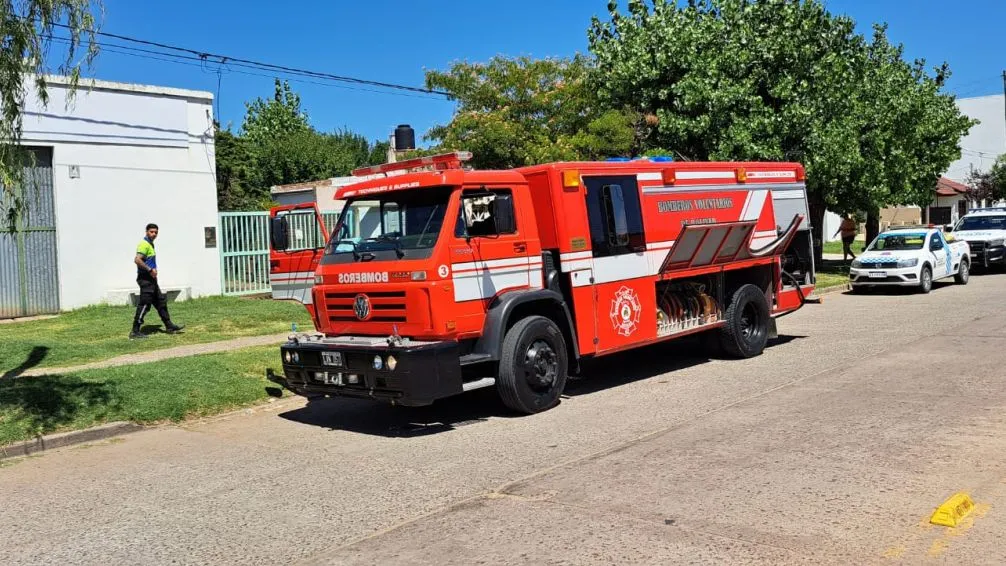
<point>150,291</point>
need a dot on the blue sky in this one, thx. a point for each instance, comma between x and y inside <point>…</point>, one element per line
<point>394,41</point>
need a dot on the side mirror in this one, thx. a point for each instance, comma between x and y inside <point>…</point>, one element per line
<point>948,228</point>
<point>279,233</point>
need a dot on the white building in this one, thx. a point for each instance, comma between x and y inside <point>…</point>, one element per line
<point>118,157</point>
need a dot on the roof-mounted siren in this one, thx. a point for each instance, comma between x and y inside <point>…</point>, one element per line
<point>441,162</point>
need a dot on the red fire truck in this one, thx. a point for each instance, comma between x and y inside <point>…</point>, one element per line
<point>439,279</point>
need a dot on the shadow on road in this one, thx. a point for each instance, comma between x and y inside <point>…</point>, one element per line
<point>379,419</point>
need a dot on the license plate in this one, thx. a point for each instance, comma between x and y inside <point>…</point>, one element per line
<point>331,358</point>
<point>878,274</point>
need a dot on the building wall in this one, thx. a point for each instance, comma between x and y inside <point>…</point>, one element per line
<point>141,155</point>
<point>986,140</point>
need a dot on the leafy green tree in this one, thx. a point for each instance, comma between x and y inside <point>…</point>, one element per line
<point>781,80</point>
<point>277,146</point>
<point>266,120</point>
<point>989,186</point>
<point>27,28</point>
<point>522,111</point>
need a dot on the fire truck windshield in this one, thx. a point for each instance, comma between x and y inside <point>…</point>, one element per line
<point>396,225</point>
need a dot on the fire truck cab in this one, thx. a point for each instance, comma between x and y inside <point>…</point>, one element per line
<point>449,279</point>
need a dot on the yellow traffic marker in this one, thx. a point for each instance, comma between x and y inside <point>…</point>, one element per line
<point>953,510</point>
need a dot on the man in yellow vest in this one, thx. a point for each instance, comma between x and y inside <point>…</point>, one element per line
<point>150,291</point>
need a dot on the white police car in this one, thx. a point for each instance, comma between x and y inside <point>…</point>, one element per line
<point>984,230</point>
<point>910,257</point>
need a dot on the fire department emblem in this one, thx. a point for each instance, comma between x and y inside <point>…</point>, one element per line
<point>361,307</point>
<point>625,309</point>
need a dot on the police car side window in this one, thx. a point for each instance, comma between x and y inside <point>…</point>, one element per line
<point>936,243</point>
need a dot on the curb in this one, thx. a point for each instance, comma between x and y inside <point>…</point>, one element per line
<point>120,428</point>
<point>830,290</point>
<point>64,439</point>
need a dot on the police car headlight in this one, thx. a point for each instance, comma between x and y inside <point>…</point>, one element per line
<point>908,262</point>
<point>378,363</point>
<point>857,264</point>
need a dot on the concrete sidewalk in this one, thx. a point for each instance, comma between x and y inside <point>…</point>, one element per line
<point>166,353</point>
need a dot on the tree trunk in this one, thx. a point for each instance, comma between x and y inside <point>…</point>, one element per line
<point>872,225</point>
<point>817,210</point>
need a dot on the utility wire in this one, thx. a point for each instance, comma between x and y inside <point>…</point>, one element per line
<point>226,66</point>
<point>203,56</point>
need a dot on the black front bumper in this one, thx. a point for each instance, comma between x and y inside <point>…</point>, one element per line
<point>987,256</point>
<point>424,372</point>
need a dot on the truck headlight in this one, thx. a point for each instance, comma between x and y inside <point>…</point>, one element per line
<point>392,362</point>
<point>288,357</point>
<point>857,264</point>
<point>378,363</point>
<point>995,243</point>
<point>908,262</point>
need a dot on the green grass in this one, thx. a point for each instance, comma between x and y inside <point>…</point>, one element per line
<point>836,247</point>
<point>169,390</point>
<point>101,332</point>
<point>831,273</point>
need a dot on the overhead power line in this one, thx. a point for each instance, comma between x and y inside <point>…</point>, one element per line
<point>205,56</point>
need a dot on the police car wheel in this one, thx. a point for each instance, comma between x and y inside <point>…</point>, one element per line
<point>926,280</point>
<point>745,333</point>
<point>532,369</point>
<point>963,273</point>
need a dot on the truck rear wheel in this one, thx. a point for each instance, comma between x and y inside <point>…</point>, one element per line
<point>747,320</point>
<point>963,273</point>
<point>532,369</point>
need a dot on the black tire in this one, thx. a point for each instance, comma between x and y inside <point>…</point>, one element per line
<point>533,365</point>
<point>747,323</point>
<point>963,273</point>
<point>926,279</point>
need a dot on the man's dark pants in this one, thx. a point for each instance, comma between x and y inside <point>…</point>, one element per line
<point>150,296</point>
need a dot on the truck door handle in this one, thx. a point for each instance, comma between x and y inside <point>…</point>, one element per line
<point>520,247</point>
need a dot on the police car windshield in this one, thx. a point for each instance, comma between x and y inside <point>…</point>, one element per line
<point>983,223</point>
<point>394,222</point>
<point>894,242</point>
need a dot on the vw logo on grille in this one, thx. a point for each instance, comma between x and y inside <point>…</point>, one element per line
<point>361,306</point>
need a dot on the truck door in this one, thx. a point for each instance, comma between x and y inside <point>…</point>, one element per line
<point>941,258</point>
<point>490,250</point>
<point>297,239</point>
<point>623,289</point>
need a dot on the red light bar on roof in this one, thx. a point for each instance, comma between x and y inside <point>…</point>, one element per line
<point>437,162</point>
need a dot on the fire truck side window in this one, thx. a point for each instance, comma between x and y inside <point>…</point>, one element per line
<point>615,215</point>
<point>500,220</point>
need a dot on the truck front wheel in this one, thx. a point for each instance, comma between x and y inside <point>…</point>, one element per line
<point>747,320</point>
<point>532,369</point>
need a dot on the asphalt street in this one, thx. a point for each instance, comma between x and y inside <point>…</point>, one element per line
<point>834,446</point>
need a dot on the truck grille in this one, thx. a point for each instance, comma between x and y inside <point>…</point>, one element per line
<point>385,306</point>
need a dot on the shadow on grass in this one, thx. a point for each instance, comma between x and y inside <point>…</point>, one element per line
<point>35,357</point>
<point>380,419</point>
<point>31,406</point>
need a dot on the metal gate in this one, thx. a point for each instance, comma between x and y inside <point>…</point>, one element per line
<point>29,281</point>
<point>244,247</point>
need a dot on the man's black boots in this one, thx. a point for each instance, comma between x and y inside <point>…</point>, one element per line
<point>172,327</point>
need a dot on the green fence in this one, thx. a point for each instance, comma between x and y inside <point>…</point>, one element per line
<point>244,247</point>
